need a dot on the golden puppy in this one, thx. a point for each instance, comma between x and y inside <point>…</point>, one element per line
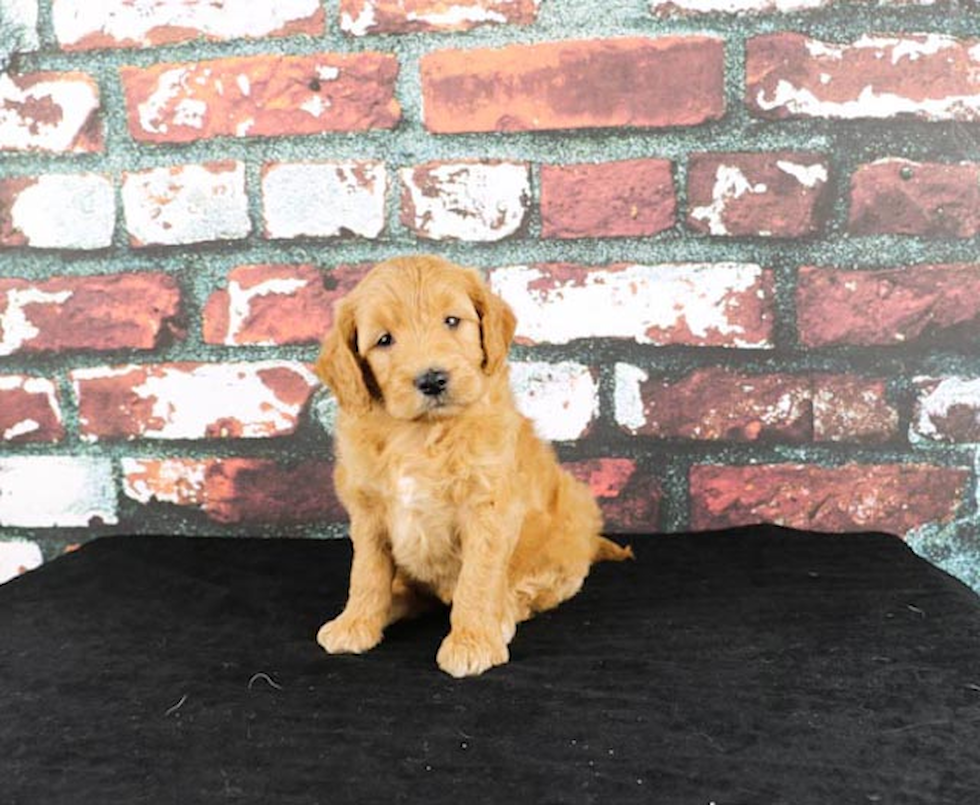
<point>450,493</point>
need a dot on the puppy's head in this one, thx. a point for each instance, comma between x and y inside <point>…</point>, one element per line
<point>419,336</point>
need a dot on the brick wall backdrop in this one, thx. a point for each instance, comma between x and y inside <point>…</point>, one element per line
<point>740,235</point>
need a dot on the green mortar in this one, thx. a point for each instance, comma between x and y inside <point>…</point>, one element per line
<point>201,269</point>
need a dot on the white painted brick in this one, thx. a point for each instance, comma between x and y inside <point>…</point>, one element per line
<point>66,211</point>
<point>195,401</point>
<point>19,22</point>
<point>180,481</point>
<point>186,204</point>
<point>17,556</point>
<point>947,410</point>
<point>468,201</point>
<point>71,100</point>
<point>562,399</point>
<point>126,22</point>
<point>324,199</point>
<point>56,491</point>
<point>702,303</point>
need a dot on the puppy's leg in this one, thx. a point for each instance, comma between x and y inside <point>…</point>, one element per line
<point>481,619</point>
<point>369,603</point>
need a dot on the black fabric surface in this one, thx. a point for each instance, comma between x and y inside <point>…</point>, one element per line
<point>750,666</point>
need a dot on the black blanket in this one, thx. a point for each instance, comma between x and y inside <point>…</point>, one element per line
<point>750,666</point>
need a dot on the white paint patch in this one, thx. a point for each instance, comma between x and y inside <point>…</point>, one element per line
<point>20,23</point>
<point>911,48</point>
<point>475,202</point>
<point>190,112</point>
<point>240,304</point>
<point>361,25</point>
<point>170,84</point>
<point>192,403</point>
<point>16,328</point>
<point>736,6</point>
<point>807,175</point>
<point>629,409</point>
<point>730,184</point>
<point>315,106</point>
<point>178,481</point>
<point>17,557</point>
<point>20,429</point>
<point>946,394</point>
<point>62,211</point>
<point>562,399</point>
<point>324,199</point>
<point>457,17</point>
<point>629,302</point>
<point>56,492</point>
<point>76,99</point>
<point>189,204</point>
<point>869,105</point>
<point>133,21</point>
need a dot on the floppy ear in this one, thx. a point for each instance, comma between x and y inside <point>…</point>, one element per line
<point>339,365</point>
<point>497,324</point>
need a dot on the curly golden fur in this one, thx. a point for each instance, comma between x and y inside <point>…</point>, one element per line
<point>450,493</point>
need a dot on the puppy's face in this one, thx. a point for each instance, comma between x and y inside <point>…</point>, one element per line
<point>420,337</point>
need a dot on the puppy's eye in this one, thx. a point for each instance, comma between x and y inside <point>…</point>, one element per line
<point>386,340</point>
<point>452,322</point>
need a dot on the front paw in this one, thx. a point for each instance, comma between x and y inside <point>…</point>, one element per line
<point>349,635</point>
<point>469,654</point>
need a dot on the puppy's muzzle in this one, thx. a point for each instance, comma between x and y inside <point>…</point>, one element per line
<point>432,382</point>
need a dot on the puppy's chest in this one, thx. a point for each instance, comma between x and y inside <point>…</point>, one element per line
<point>422,521</point>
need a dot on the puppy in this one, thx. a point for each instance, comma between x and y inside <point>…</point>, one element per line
<point>450,493</point>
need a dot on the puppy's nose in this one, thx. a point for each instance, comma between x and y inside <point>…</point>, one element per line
<point>432,382</point>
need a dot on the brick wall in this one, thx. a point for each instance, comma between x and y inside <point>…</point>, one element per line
<point>740,236</point>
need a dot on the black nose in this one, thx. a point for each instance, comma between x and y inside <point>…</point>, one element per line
<point>432,382</point>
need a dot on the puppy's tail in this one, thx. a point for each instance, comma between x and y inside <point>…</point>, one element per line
<point>608,551</point>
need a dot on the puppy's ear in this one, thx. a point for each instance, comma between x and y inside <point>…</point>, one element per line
<point>497,324</point>
<point>339,365</point>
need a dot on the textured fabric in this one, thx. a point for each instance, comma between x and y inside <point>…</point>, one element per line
<point>750,666</point>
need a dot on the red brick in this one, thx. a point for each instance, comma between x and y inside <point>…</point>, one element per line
<point>632,198</point>
<point>261,96</point>
<point>276,304</point>
<point>714,304</point>
<point>899,197</point>
<point>238,490</point>
<point>874,497</point>
<point>716,403</point>
<point>629,496</point>
<point>30,410</point>
<point>781,195</point>
<point>54,112</point>
<point>888,306</point>
<point>599,83</point>
<point>115,311</point>
<point>363,17</point>
<point>720,404</point>
<point>192,400</point>
<point>848,408</point>
<point>922,76</point>
<point>82,24</point>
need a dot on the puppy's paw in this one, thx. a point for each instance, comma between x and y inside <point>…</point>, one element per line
<point>348,635</point>
<point>469,654</point>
